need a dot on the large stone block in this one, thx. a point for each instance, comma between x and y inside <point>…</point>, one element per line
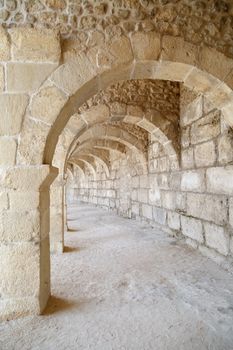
<point>192,111</point>
<point>225,147</point>
<point>178,50</point>
<point>37,45</point>
<point>147,211</point>
<point>12,109</point>
<point>206,128</point>
<point>173,220</point>
<point>220,180</point>
<point>4,45</point>
<point>20,226</point>
<point>192,228</point>
<point>207,207</point>
<point>217,238</point>
<point>159,215</point>
<point>205,154</point>
<point>193,181</point>
<point>168,199</point>
<point>146,46</point>
<point>7,151</point>
<point>143,195</point>
<point>23,201</point>
<point>27,77</point>
<point>4,202</point>
<point>2,78</point>
<point>17,278</point>
<point>231,211</point>
<point>187,159</point>
<point>41,106</point>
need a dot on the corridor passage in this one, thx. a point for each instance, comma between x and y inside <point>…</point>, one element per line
<point>123,285</point>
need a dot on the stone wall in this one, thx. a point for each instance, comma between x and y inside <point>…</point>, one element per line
<point>83,23</point>
<point>195,201</point>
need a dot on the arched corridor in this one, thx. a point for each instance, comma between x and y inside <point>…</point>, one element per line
<point>124,285</point>
<point>120,114</point>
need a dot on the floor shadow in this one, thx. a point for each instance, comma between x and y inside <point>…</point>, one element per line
<point>72,230</point>
<point>56,305</point>
<point>72,249</point>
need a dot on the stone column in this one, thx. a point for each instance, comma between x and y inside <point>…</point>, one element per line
<point>57,216</point>
<point>24,240</point>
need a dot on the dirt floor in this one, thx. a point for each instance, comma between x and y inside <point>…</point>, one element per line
<point>123,285</point>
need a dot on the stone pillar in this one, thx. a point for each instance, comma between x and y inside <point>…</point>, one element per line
<point>24,240</point>
<point>57,214</point>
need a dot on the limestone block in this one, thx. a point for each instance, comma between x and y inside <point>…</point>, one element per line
<point>27,178</point>
<point>185,137</point>
<point>216,238</point>
<point>215,62</point>
<point>231,211</point>
<point>135,208</point>
<point>17,278</point>
<point>37,45</point>
<point>173,220</point>
<point>178,50</point>
<point>12,108</point>
<point>18,226</point>
<point>231,246</point>
<point>193,181</point>
<point>146,46</point>
<point>73,74</point>
<point>34,133</point>
<point>192,111</point>
<point>187,159</point>
<point>4,45</point>
<point>7,151</point>
<point>192,228</point>
<point>207,207</point>
<point>175,180</point>
<point>41,106</point>
<point>154,191</point>
<point>27,77</point>
<point>2,79</point>
<point>173,71</point>
<point>23,201</point>
<point>206,128</point>
<point>143,195</point>
<point>168,200</point>
<point>3,201</point>
<point>159,215</point>
<point>220,180</point>
<point>181,201</point>
<point>225,147</point>
<point>200,81</point>
<point>147,211</point>
<point>205,154</point>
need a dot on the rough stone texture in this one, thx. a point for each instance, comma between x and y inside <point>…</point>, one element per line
<point>195,22</point>
<point>4,45</point>
<point>205,154</point>
<point>192,228</point>
<point>29,44</point>
<point>2,78</point>
<point>12,108</point>
<point>216,238</point>
<point>7,151</point>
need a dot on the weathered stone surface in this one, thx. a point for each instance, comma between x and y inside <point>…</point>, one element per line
<point>27,77</point>
<point>146,46</point>
<point>4,45</point>
<point>173,220</point>
<point>12,108</point>
<point>206,128</point>
<point>192,111</point>
<point>7,151</point>
<point>205,154</point>
<point>4,202</point>
<point>231,211</point>
<point>176,49</point>
<point>23,201</point>
<point>220,180</point>
<point>147,211</point>
<point>216,238</point>
<point>225,146</point>
<point>41,106</point>
<point>187,159</point>
<point>192,228</point>
<point>2,78</point>
<point>29,44</point>
<point>193,181</point>
<point>159,215</point>
<point>207,207</point>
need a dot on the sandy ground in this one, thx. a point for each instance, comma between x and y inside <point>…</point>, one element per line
<point>124,285</point>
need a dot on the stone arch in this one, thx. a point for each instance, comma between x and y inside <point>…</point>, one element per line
<point>78,79</point>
